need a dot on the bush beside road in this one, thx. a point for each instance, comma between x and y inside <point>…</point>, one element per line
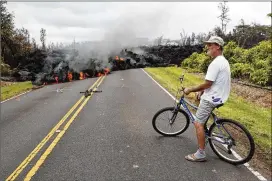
<point>252,65</point>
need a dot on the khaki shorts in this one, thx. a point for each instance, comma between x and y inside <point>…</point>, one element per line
<point>204,110</point>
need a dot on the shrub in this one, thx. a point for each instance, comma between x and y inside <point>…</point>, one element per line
<point>238,56</point>
<point>259,64</point>
<point>260,76</point>
<point>254,64</point>
<point>205,62</point>
<point>229,49</point>
<point>197,61</point>
<point>5,68</point>
<point>262,50</point>
<point>191,61</point>
<point>241,70</point>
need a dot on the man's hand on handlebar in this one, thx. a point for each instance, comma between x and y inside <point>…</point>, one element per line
<point>199,94</point>
<point>187,91</point>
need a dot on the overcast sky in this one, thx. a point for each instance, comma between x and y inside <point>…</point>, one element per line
<point>94,21</point>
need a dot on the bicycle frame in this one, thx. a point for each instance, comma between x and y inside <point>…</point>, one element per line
<point>183,102</point>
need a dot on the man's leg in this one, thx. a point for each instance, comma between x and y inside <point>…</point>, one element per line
<point>200,133</point>
<point>202,114</point>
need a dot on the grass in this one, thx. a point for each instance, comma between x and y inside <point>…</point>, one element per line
<point>15,89</point>
<point>256,119</point>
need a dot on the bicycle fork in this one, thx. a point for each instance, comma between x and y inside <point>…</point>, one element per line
<point>174,115</point>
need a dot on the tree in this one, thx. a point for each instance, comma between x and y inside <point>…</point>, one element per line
<point>7,26</point>
<point>193,38</point>
<point>200,38</point>
<point>269,15</point>
<point>218,32</point>
<point>246,35</point>
<point>188,41</point>
<point>34,44</point>
<point>183,38</point>
<point>224,16</point>
<point>22,39</point>
<point>42,37</point>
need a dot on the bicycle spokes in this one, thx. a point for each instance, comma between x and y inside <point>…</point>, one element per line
<point>171,121</point>
<point>230,142</point>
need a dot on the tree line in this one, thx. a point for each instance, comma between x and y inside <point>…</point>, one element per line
<point>245,35</point>
<point>19,51</point>
<point>248,49</point>
<point>252,65</point>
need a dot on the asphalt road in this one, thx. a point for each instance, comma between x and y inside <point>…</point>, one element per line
<point>110,139</point>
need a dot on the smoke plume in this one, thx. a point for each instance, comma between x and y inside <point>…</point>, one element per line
<point>128,31</point>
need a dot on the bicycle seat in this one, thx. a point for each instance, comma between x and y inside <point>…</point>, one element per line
<point>219,105</point>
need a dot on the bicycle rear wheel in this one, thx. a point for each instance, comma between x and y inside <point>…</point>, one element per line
<point>175,121</point>
<point>238,147</point>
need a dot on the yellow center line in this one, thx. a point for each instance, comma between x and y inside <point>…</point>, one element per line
<point>41,160</point>
<point>28,159</point>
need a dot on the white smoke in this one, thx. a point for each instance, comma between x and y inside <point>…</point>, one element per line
<point>128,31</point>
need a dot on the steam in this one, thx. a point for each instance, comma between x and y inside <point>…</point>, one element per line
<point>127,32</point>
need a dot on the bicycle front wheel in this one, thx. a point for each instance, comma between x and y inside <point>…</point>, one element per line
<point>169,122</point>
<point>231,141</point>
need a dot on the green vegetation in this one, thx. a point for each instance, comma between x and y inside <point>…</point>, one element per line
<point>15,89</point>
<point>5,69</point>
<point>253,65</point>
<point>255,118</point>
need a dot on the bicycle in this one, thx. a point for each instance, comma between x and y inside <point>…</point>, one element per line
<point>226,139</point>
<point>89,92</point>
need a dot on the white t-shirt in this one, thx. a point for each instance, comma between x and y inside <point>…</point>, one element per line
<point>219,72</point>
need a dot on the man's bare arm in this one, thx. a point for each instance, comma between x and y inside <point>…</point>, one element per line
<point>207,84</point>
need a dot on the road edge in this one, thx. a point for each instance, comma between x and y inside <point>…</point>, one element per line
<point>256,173</point>
<point>16,96</point>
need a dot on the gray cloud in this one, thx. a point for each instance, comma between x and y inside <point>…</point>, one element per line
<point>110,20</point>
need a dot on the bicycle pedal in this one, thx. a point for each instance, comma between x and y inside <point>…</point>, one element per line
<point>229,152</point>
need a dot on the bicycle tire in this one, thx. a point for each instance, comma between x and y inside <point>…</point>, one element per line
<point>250,138</point>
<point>167,109</point>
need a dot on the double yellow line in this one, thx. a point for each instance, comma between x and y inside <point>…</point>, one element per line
<point>28,159</point>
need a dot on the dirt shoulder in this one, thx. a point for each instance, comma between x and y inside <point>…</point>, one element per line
<point>261,97</point>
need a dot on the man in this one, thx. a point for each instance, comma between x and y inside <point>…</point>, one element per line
<point>213,91</point>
